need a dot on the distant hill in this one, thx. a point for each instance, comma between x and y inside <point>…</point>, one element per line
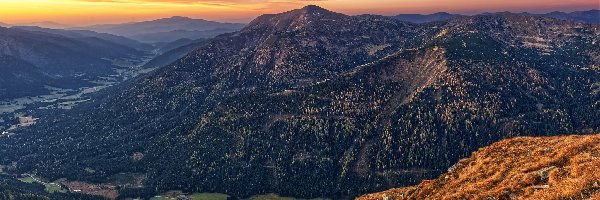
<point>419,18</point>
<point>61,56</point>
<point>590,16</point>
<point>82,34</point>
<point>564,167</point>
<point>46,24</point>
<point>173,52</point>
<point>180,34</point>
<point>167,29</point>
<point>19,78</point>
<point>168,46</point>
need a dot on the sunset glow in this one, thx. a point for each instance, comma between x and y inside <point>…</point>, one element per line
<point>81,12</point>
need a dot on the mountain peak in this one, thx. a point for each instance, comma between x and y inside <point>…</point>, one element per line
<point>314,8</point>
<point>296,18</point>
<point>179,17</point>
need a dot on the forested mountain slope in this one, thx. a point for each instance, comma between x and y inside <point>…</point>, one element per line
<point>274,51</point>
<point>61,56</point>
<point>314,103</point>
<point>19,78</point>
<point>481,79</point>
<point>173,54</point>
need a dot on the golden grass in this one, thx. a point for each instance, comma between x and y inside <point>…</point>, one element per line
<point>565,167</point>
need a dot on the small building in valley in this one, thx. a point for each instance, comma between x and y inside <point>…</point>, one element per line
<point>26,121</point>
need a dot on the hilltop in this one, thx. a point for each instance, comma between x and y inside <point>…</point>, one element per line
<point>562,167</point>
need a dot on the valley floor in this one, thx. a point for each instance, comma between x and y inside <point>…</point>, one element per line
<point>65,99</point>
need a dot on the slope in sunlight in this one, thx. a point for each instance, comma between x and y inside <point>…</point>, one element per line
<point>562,167</point>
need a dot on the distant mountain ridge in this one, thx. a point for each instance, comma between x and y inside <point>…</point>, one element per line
<point>44,24</point>
<point>167,29</point>
<point>589,16</point>
<point>90,34</point>
<point>420,18</point>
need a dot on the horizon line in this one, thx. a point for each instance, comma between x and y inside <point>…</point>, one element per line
<point>247,20</point>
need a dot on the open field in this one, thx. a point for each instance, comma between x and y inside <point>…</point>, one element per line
<point>50,187</point>
<point>277,197</point>
<point>27,179</point>
<point>208,196</point>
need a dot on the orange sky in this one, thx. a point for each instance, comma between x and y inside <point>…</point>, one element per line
<point>84,12</point>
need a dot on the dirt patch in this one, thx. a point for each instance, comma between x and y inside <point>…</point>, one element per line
<point>108,191</point>
<point>137,156</point>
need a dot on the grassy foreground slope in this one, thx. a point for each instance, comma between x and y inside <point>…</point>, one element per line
<point>564,167</point>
